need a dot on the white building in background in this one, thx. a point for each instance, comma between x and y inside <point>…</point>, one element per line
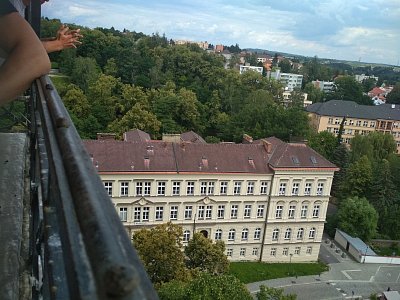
<point>290,80</point>
<point>325,86</point>
<point>266,199</point>
<point>362,77</point>
<point>244,68</point>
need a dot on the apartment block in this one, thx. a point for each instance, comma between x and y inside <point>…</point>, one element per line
<point>360,119</point>
<point>290,80</point>
<point>265,199</point>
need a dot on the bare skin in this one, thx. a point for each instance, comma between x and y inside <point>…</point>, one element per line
<point>26,58</point>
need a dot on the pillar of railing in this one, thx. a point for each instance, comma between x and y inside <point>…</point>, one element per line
<point>80,246</point>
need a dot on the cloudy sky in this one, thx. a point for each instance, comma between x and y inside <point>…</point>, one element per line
<point>340,29</point>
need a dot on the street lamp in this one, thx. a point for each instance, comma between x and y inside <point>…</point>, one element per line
<point>290,263</point>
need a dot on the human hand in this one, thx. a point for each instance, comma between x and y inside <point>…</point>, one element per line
<point>68,38</point>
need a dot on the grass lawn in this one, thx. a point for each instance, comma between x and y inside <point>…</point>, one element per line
<point>387,251</point>
<point>255,271</point>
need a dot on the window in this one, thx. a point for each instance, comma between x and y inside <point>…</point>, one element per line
<point>207,187</point>
<point>161,188</point>
<point>147,188</point>
<point>209,212</point>
<point>188,212</point>
<point>139,188</point>
<point>245,234</point>
<point>282,188</point>
<point>320,188</point>
<point>309,250</point>
<point>288,233</point>
<point>307,188</point>
<point>350,131</point>
<point>255,251</point>
<point>136,214</point>
<point>351,122</point>
<point>292,210</point>
<point>330,120</point>
<point>242,252</point>
<point>295,188</point>
<point>335,130</point>
<point>234,211</point>
<point>337,121</point>
<point>174,213</point>
<point>108,187</point>
<point>186,235</point>
<point>229,252</point>
<point>250,188</point>
<point>190,188</point>
<point>278,213</point>
<point>257,233</point>
<point>247,211</point>
<point>176,188</point>
<point>231,235</point>
<point>218,234</point>
<point>300,233</point>
<point>264,188</point>
<point>311,235</point>
<point>260,211</point>
<point>200,212</point>
<point>275,234</point>
<point>146,213</point>
<point>365,124</point>
<point>159,213</point>
<point>304,209</point>
<point>237,187</point>
<point>297,250</point>
<point>223,187</point>
<point>221,211</point>
<point>358,123</point>
<point>315,212</point>
<point>285,251</point>
<point>123,214</point>
<point>124,188</point>
<point>273,252</point>
<point>372,124</point>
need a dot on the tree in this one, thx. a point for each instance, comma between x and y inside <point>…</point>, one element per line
<point>270,293</point>
<point>76,102</point>
<point>324,143</point>
<point>357,217</point>
<point>84,72</point>
<point>394,96</point>
<point>285,65</point>
<point>368,84</point>
<point>159,248</point>
<point>221,287</point>
<point>205,255</point>
<point>314,94</point>
<point>358,178</point>
<point>348,89</point>
<point>340,158</point>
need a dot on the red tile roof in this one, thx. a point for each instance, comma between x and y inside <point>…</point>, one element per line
<point>260,157</point>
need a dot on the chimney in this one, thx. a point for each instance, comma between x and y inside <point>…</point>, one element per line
<point>251,162</point>
<point>204,162</point>
<point>247,139</point>
<point>171,137</point>
<point>150,150</point>
<point>267,146</point>
<point>146,162</point>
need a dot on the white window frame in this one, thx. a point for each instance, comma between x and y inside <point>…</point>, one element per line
<point>231,234</point>
<point>264,188</point>
<point>200,212</point>
<point>316,210</point>
<point>237,187</point>
<point>260,211</point>
<point>285,251</point>
<point>218,234</point>
<point>159,213</point>
<point>250,187</point>
<point>188,212</point>
<point>272,252</point>
<point>190,188</point>
<point>295,188</point>
<point>304,210</point>
<point>221,211</point>
<point>312,233</point>
<point>242,252</point>
<point>297,250</point>
<point>320,188</point>
<point>234,211</point>
<point>124,188</point>
<point>176,188</point>
<point>300,233</point>
<point>229,252</point>
<point>245,234</point>
<point>255,251</point>
<point>279,212</point>
<point>282,189</point>
<point>275,234</point>
<point>173,213</point>
<point>123,214</point>
<point>145,214</point>
<point>292,211</point>
<point>161,185</point>
<point>247,211</point>
<point>309,250</point>
<point>209,211</point>
<point>257,233</point>
<point>186,235</point>
<point>288,234</point>
<point>223,187</point>
<point>108,185</point>
<point>137,213</point>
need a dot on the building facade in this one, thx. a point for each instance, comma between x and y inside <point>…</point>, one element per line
<point>360,119</point>
<point>290,80</point>
<point>244,68</point>
<point>266,199</point>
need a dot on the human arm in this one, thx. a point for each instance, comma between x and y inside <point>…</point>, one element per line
<point>26,57</point>
<point>65,39</point>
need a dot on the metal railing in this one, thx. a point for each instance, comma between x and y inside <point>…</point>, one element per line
<point>79,248</point>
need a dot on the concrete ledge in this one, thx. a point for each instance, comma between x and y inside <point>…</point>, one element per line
<point>12,167</point>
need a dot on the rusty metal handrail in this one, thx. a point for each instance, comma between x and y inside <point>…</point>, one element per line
<point>83,249</point>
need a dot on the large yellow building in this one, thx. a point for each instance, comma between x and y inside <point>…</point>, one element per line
<point>360,119</point>
<point>265,199</point>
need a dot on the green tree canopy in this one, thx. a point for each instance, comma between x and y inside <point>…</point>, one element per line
<point>160,250</point>
<point>358,178</point>
<point>347,88</point>
<point>324,143</point>
<point>270,293</point>
<point>394,95</point>
<point>205,255</point>
<point>358,218</point>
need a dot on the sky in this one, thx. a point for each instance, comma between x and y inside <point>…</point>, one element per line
<point>339,29</point>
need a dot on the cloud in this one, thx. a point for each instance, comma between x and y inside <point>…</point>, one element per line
<point>335,28</point>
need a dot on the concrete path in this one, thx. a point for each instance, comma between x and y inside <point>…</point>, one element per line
<point>12,167</point>
<point>346,279</point>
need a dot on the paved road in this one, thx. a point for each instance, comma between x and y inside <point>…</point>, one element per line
<point>346,279</point>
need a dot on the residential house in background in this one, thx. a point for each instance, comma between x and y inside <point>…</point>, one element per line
<point>266,199</point>
<point>325,86</point>
<point>360,119</point>
<point>287,99</point>
<point>245,68</point>
<point>362,77</point>
<point>290,80</point>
